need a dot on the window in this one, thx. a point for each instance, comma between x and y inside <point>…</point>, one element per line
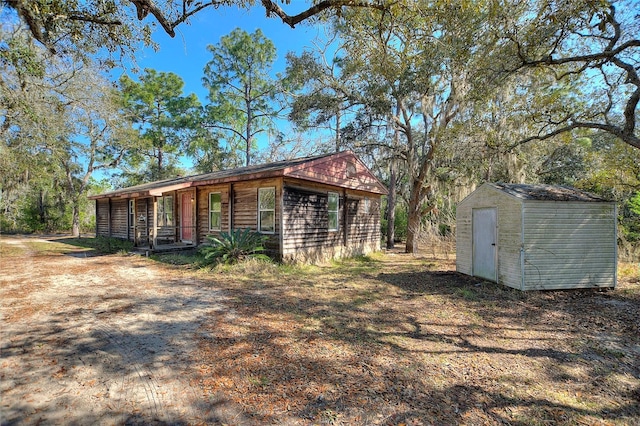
<point>165,211</point>
<point>132,212</point>
<point>333,211</point>
<point>366,206</point>
<point>215,211</point>
<point>267,210</point>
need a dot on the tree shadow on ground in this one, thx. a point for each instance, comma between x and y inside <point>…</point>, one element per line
<point>431,346</point>
<point>121,358</point>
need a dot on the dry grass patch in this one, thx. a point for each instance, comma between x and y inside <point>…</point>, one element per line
<point>400,339</point>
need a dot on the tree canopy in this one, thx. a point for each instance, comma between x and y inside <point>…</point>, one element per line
<point>241,90</point>
<point>86,26</point>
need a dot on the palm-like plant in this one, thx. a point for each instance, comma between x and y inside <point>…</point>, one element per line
<point>235,246</point>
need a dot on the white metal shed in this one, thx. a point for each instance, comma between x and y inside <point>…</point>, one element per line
<point>537,237</point>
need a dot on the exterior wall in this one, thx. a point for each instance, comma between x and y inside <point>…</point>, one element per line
<point>245,210</point>
<point>143,221</point>
<point>569,245</point>
<point>363,223</point>
<point>102,218</point>
<point>202,215</point>
<point>509,233</point>
<point>119,219</point>
<point>305,224</point>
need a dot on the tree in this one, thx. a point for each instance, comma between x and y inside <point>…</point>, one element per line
<point>326,83</point>
<point>241,91</point>
<point>87,26</point>
<point>62,115</point>
<point>421,67</point>
<point>166,120</point>
<point>591,46</point>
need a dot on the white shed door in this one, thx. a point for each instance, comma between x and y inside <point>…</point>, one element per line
<point>484,243</point>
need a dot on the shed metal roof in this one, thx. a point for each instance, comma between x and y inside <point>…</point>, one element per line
<point>322,168</point>
<point>546,192</point>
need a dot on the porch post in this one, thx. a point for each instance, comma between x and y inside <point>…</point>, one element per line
<point>231,203</point>
<point>196,224</point>
<point>155,221</point>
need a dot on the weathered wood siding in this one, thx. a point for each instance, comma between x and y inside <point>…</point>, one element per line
<point>569,245</point>
<point>245,210</point>
<point>119,219</point>
<point>306,236</point>
<point>509,233</point>
<point>143,221</point>
<point>306,221</point>
<point>202,215</point>
<point>102,218</point>
<point>363,223</point>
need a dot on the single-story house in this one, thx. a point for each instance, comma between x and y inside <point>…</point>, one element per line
<point>312,209</point>
<point>537,237</point>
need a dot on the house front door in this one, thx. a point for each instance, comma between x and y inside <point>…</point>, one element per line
<point>484,243</point>
<point>186,218</point>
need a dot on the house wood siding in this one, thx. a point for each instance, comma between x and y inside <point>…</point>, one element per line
<point>102,218</point>
<point>543,244</point>
<point>119,219</point>
<point>306,224</point>
<point>143,221</point>
<point>203,210</point>
<point>569,245</point>
<point>310,240</point>
<point>245,210</point>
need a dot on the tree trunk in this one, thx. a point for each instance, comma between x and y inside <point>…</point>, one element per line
<point>249,129</point>
<point>75,218</point>
<point>42,212</point>
<point>338,141</point>
<point>413,230</point>
<point>415,213</point>
<point>391,207</point>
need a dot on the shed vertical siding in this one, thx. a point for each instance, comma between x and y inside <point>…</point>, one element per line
<point>509,232</point>
<point>569,245</point>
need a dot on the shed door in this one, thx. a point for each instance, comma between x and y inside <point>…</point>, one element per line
<point>186,217</point>
<point>484,243</point>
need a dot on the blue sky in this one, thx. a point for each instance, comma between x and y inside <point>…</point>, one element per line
<point>186,54</point>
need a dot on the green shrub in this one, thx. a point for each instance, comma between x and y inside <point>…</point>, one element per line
<point>105,245</point>
<point>235,246</point>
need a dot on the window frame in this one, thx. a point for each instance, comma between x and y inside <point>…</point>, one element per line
<point>132,213</point>
<point>331,194</point>
<point>271,189</point>
<point>163,213</point>
<point>211,211</point>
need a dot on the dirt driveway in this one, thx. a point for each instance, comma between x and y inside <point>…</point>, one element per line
<point>98,340</point>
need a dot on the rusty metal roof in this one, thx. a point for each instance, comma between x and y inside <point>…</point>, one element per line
<point>546,192</point>
<point>303,168</point>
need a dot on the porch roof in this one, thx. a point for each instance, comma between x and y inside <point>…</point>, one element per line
<point>343,169</point>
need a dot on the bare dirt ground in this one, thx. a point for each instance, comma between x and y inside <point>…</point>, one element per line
<point>98,340</point>
<point>391,339</point>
